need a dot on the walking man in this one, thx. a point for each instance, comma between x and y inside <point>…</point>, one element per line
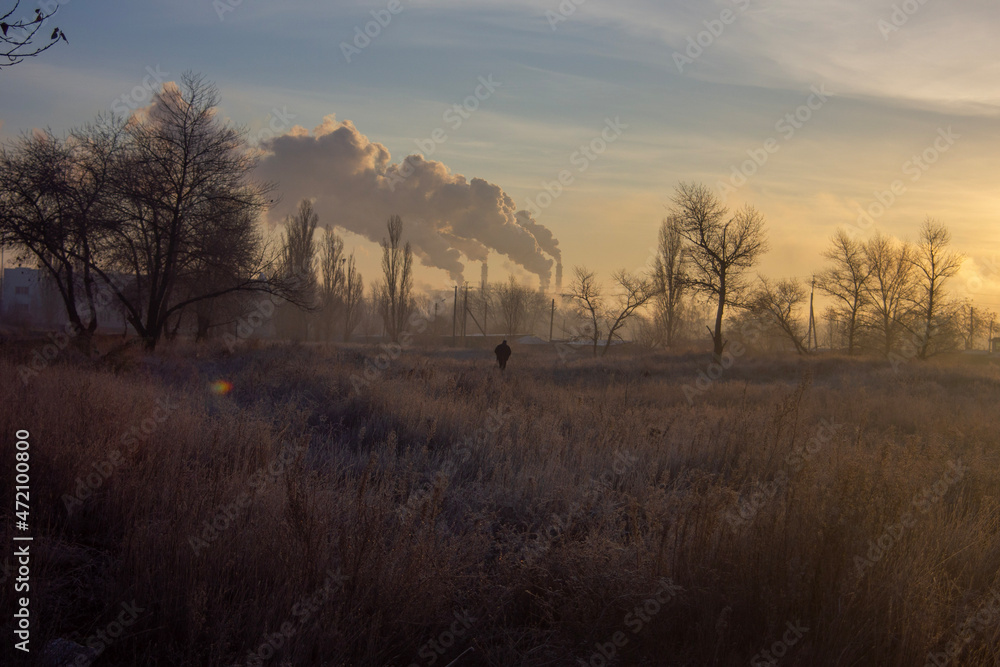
<point>503,354</point>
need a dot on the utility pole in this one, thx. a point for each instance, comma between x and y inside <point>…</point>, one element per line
<point>465,314</point>
<point>552,319</point>
<point>484,288</point>
<point>454,320</point>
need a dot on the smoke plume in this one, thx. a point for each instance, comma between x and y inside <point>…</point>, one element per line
<point>447,218</point>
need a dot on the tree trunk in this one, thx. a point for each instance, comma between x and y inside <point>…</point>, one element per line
<point>887,324</point>
<point>852,326</point>
<point>718,345</point>
<point>85,342</point>
<point>925,343</point>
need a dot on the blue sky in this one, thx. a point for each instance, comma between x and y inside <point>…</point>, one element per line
<point>894,86</point>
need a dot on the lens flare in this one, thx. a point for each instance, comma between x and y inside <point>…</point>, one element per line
<point>222,387</point>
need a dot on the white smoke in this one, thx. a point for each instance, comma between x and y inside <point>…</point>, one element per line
<point>447,218</point>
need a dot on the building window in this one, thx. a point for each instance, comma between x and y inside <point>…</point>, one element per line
<point>21,291</point>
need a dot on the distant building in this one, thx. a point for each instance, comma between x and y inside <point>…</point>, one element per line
<point>31,301</point>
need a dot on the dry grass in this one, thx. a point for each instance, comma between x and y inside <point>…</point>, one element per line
<point>596,481</point>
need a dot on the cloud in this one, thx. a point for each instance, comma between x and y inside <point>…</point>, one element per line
<point>934,56</point>
<point>447,218</point>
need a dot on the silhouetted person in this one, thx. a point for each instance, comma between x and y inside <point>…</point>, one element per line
<point>503,354</point>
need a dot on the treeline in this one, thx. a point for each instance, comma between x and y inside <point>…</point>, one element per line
<point>890,297</point>
<point>333,303</point>
<point>703,256</point>
<point>342,309</point>
<point>893,297</point>
<point>159,213</point>
<point>158,209</point>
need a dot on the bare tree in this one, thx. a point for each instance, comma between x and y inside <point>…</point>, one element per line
<point>20,38</point>
<point>394,293</point>
<point>334,284</point>
<point>890,289</point>
<point>369,318</point>
<point>512,300</point>
<point>158,210</point>
<point>646,333</point>
<point>55,203</point>
<point>967,313</point>
<point>668,276</point>
<point>354,294</point>
<point>974,322</point>
<point>587,291</point>
<point>636,292</point>
<point>34,180</point>
<point>183,183</point>
<point>298,245</point>
<point>720,248</point>
<point>846,281</point>
<point>538,311</point>
<point>299,263</point>
<point>229,250</point>
<point>778,302</point>
<point>989,322</point>
<point>835,327</point>
<point>934,264</point>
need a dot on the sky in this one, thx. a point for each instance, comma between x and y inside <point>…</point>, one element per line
<point>866,115</point>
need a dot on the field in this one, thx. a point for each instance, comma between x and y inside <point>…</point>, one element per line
<point>820,511</point>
